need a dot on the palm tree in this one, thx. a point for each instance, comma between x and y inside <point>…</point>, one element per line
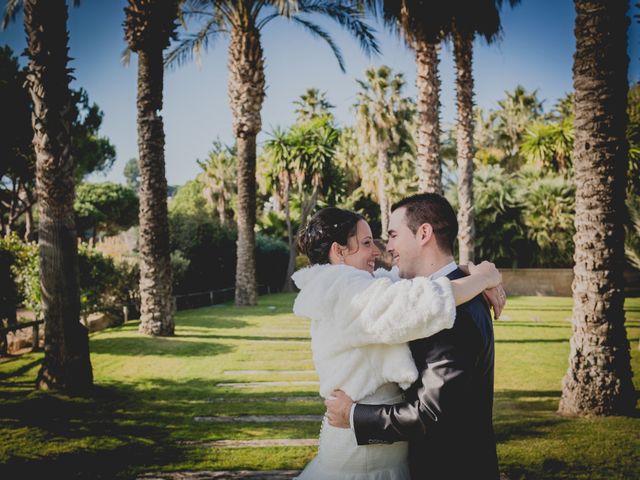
<point>312,104</point>
<point>301,165</point>
<point>243,21</point>
<point>382,122</point>
<point>470,18</point>
<point>423,24</point>
<point>149,26</point>
<point>219,178</point>
<point>67,365</point>
<point>599,380</point>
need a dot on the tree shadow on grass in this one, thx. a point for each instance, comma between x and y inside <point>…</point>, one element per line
<point>102,434</point>
<point>157,346</point>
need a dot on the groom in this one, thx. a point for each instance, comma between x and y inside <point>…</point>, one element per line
<point>447,413</point>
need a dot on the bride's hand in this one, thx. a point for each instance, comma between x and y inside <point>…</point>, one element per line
<point>497,298</point>
<point>492,276</point>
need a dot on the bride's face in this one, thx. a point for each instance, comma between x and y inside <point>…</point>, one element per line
<point>361,251</point>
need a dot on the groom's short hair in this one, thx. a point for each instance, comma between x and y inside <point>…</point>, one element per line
<point>435,210</point>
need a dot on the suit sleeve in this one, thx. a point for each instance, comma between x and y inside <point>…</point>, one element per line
<point>444,389</point>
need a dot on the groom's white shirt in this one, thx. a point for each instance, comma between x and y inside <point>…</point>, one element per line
<point>446,270</point>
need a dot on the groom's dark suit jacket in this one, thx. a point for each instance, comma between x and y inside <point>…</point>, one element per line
<point>447,413</point>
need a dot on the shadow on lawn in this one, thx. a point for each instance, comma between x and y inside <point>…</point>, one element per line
<point>104,434</point>
<point>247,337</point>
<point>157,346</point>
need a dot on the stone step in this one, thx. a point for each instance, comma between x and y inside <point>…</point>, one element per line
<point>276,442</point>
<point>268,372</point>
<point>263,399</point>
<point>223,474</point>
<point>260,419</point>
<point>266,384</point>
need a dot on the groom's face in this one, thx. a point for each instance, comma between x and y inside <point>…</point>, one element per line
<point>404,245</point>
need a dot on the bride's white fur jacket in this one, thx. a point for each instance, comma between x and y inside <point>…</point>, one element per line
<point>360,324</point>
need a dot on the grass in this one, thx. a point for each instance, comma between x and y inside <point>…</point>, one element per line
<point>140,416</point>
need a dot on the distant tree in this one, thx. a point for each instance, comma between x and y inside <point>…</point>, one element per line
<point>17,158</point>
<point>91,152</point>
<point>548,146</point>
<point>382,125</point>
<point>219,179</point>
<point>300,162</point>
<point>106,207</point>
<point>131,173</point>
<point>312,104</point>
<point>243,21</point>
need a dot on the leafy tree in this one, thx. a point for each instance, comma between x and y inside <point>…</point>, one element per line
<point>243,21</point>
<point>132,173</point>
<point>106,207</point>
<point>91,152</point>
<point>17,159</point>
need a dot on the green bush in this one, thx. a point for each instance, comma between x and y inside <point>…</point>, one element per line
<point>105,286</point>
<point>25,271</point>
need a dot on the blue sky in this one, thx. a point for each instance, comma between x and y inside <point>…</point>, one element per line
<point>535,51</point>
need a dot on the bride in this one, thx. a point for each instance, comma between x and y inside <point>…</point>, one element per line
<point>358,341</point>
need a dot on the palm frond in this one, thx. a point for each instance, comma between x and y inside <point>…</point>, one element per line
<point>11,10</point>
<point>319,32</point>
<point>125,56</point>
<point>193,45</point>
<point>347,15</point>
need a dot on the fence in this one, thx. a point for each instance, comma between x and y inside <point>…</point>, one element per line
<point>19,326</point>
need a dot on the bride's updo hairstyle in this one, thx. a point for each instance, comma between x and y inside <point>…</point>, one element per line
<point>325,227</point>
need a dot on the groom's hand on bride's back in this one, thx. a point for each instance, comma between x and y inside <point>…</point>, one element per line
<point>338,409</point>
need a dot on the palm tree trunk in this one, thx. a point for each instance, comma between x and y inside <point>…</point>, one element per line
<point>293,248</point>
<point>598,381</point>
<point>463,52</point>
<point>156,305</point>
<point>383,198</point>
<point>67,365</point>
<point>221,206</point>
<point>246,94</point>
<point>428,83</point>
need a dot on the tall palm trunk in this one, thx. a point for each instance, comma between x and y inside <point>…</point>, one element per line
<point>156,307</point>
<point>598,380</point>
<point>246,94</point>
<point>383,198</point>
<point>463,52</point>
<point>293,247</point>
<point>428,83</point>
<point>66,365</point>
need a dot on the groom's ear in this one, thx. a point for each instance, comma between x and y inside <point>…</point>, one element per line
<point>425,233</point>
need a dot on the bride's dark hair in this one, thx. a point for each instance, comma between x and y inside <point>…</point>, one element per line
<point>325,227</point>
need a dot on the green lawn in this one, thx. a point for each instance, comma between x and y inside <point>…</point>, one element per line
<point>140,417</point>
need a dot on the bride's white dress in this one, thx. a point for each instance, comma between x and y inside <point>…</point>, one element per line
<point>359,328</point>
<point>340,458</point>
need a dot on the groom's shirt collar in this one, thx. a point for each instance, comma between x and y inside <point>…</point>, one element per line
<point>444,271</point>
